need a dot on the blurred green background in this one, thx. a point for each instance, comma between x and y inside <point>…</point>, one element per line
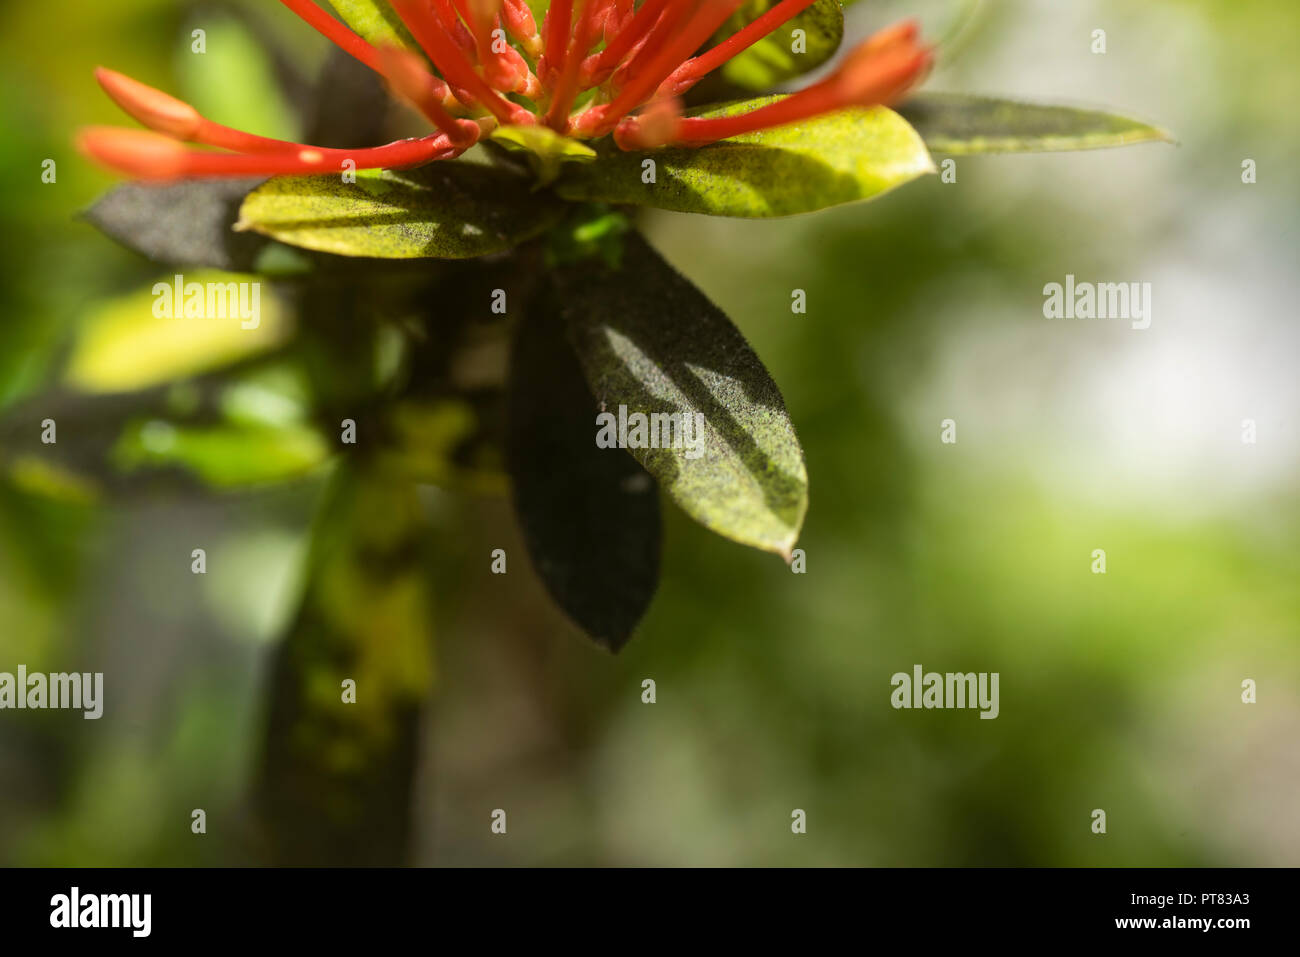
<point>1119,692</point>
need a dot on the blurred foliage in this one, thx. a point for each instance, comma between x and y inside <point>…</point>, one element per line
<point>1119,691</point>
<point>335,782</point>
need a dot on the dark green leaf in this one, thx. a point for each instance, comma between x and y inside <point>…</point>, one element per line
<point>842,157</point>
<point>648,340</point>
<point>447,210</point>
<point>590,516</point>
<point>960,124</point>
<point>772,60</point>
<point>188,224</point>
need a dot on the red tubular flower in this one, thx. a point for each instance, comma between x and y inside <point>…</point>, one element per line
<point>634,60</point>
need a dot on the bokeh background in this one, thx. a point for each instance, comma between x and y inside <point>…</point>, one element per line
<point>1119,692</point>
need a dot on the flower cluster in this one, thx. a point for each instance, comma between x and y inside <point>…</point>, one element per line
<point>595,68</point>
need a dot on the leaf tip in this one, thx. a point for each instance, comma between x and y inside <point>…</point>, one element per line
<point>1166,136</point>
<point>612,643</point>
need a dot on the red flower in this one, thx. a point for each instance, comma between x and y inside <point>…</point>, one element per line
<point>644,65</point>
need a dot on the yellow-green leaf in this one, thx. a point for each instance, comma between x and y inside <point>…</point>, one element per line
<point>375,21</point>
<point>142,339</point>
<point>446,210</point>
<point>773,59</point>
<point>842,157</point>
<point>545,150</point>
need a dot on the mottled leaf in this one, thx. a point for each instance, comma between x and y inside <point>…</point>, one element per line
<point>590,516</point>
<point>960,124</point>
<point>650,343</point>
<point>851,155</point>
<point>772,60</point>
<point>447,210</point>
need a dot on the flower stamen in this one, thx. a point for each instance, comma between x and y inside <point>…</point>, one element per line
<point>645,78</point>
<point>696,68</point>
<point>408,78</point>
<point>335,32</point>
<point>450,59</point>
<point>876,73</point>
<point>599,66</point>
<point>632,84</point>
<point>159,158</point>
<point>567,82</point>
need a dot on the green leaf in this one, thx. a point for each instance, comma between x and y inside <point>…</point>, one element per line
<point>224,431</point>
<point>222,456</point>
<point>187,224</point>
<point>590,516</point>
<point>649,341</point>
<point>842,157</point>
<point>772,60</point>
<point>375,21</point>
<point>963,125</point>
<point>545,150</point>
<point>264,433</point>
<point>129,343</point>
<point>447,210</point>
<point>591,231</point>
